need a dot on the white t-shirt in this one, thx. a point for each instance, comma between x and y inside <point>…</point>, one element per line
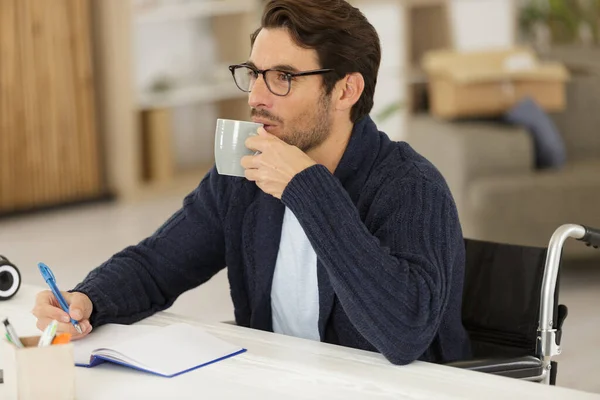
<point>295,290</point>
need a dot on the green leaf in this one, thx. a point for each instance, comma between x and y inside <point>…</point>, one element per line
<point>388,111</point>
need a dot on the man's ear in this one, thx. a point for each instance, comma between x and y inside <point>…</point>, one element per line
<point>349,90</point>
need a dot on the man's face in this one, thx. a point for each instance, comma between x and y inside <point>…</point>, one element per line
<point>303,117</point>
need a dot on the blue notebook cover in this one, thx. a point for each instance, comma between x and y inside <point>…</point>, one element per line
<point>165,351</point>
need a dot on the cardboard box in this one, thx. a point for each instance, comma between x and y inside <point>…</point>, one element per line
<point>489,83</point>
<point>33,373</point>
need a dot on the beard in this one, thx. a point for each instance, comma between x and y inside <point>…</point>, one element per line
<point>307,130</point>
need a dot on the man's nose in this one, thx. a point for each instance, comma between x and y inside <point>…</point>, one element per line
<point>260,95</point>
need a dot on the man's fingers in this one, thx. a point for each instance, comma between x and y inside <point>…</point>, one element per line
<point>42,323</point>
<point>47,311</point>
<point>252,162</point>
<point>252,174</point>
<point>68,327</point>
<point>85,326</point>
<point>75,313</point>
<point>253,142</point>
<point>79,305</point>
<point>262,142</point>
<point>46,297</point>
<point>247,162</point>
<point>263,132</point>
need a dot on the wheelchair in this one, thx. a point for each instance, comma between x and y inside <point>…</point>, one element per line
<point>515,326</point>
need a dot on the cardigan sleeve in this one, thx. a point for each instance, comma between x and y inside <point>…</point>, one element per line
<point>186,251</point>
<point>393,278</point>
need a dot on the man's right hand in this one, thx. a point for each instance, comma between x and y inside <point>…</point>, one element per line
<point>47,309</point>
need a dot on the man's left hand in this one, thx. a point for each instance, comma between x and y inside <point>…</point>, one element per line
<point>276,165</point>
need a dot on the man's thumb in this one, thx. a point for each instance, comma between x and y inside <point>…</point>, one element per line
<point>75,313</point>
<point>75,306</point>
<point>263,132</point>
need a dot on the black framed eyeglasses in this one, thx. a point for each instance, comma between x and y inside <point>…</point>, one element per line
<point>278,82</point>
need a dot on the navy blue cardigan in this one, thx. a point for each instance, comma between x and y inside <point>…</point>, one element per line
<point>385,230</point>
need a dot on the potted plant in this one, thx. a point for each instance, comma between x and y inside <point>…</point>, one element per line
<point>558,22</point>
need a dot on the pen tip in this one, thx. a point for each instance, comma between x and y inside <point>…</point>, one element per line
<point>78,329</point>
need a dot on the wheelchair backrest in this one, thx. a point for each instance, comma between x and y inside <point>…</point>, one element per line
<point>501,297</point>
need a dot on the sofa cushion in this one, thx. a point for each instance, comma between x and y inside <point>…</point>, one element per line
<point>526,209</point>
<point>580,122</point>
<point>550,151</point>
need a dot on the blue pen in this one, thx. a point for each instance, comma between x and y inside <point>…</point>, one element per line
<point>51,281</point>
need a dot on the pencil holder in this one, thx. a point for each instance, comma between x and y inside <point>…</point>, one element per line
<point>33,373</point>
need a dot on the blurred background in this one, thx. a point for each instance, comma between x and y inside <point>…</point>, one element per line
<point>108,110</point>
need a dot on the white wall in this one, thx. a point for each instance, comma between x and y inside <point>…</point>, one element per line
<point>387,18</point>
<point>479,24</point>
<point>475,24</point>
<point>181,51</point>
<point>184,50</point>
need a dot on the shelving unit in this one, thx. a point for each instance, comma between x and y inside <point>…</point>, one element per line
<point>407,29</point>
<point>190,9</point>
<point>125,111</point>
<point>201,96</point>
<point>422,25</point>
<point>190,94</point>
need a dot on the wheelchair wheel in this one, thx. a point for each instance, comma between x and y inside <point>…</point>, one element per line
<point>10,279</point>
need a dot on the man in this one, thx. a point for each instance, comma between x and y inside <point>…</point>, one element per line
<point>337,233</point>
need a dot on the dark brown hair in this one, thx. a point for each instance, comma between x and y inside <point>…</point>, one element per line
<point>340,34</point>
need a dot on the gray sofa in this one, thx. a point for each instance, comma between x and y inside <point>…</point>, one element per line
<point>491,171</point>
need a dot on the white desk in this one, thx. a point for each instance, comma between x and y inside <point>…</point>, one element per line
<point>277,366</point>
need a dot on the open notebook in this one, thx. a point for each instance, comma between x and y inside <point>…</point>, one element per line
<point>166,351</point>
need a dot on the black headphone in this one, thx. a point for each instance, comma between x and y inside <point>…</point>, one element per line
<point>10,279</point>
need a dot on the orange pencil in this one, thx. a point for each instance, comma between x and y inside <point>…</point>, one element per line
<point>62,338</point>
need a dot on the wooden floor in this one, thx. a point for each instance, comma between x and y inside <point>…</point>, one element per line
<point>76,240</point>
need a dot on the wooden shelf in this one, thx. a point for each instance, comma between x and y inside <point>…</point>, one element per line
<point>192,9</point>
<point>423,25</point>
<point>416,75</point>
<point>201,93</point>
<point>426,3</point>
<point>409,3</point>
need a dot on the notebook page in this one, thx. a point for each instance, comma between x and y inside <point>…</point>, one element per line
<point>175,348</point>
<point>106,336</point>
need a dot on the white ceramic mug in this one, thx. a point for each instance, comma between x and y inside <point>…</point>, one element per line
<point>230,138</point>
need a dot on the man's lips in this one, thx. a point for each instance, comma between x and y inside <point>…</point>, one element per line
<point>269,127</point>
<point>265,122</point>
